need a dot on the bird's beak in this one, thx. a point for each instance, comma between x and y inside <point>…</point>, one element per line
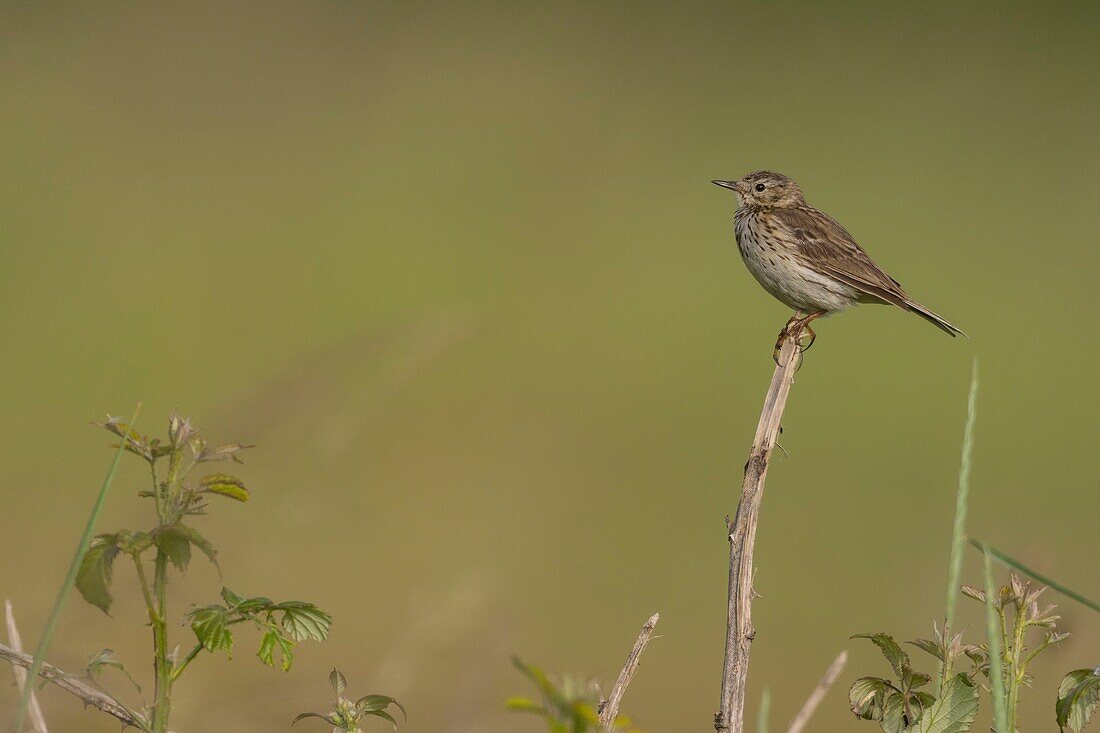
<point>732,185</point>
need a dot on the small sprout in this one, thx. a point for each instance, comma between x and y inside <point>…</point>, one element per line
<point>349,716</point>
<point>102,659</point>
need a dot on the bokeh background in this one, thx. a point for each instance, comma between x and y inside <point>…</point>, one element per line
<point>458,270</point>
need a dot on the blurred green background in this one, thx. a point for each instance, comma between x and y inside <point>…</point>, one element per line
<point>459,271</point>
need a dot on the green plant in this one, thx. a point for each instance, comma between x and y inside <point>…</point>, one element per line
<point>176,500</point>
<point>348,716</point>
<point>999,666</point>
<point>1078,694</point>
<point>571,706</point>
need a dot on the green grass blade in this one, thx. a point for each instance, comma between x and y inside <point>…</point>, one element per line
<point>958,536</point>
<point>765,709</point>
<point>70,580</point>
<point>1014,564</point>
<point>993,638</point>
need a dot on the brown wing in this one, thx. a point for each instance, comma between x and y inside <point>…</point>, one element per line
<point>828,248</point>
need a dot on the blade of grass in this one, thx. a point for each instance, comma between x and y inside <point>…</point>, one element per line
<point>1014,564</point>
<point>765,709</point>
<point>70,580</point>
<point>993,639</point>
<point>958,536</point>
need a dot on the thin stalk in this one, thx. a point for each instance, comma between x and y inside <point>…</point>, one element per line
<point>1016,672</point>
<point>742,538</point>
<point>70,579</point>
<point>161,667</point>
<point>958,533</point>
<point>994,630</point>
<point>764,712</point>
<point>182,665</point>
<point>1014,564</point>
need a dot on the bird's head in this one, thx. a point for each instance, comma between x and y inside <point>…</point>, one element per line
<point>765,189</point>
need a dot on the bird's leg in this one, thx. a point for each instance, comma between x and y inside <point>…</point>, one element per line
<point>784,335</point>
<point>797,325</point>
<point>805,328</point>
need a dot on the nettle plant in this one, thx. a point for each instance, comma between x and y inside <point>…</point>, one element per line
<point>348,716</point>
<point>177,499</point>
<point>1018,630</point>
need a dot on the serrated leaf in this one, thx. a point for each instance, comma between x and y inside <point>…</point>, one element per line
<point>271,641</point>
<point>338,681</point>
<point>175,546</point>
<point>929,646</point>
<point>1078,694</point>
<point>192,535</point>
<point>225,485</point>
<point>954,712</point>
<point>210,624</point>
<point>106,658</point>
<point>231,599</point>
<point>898,659</point>
<point>93,580</point>
<point>304,620</point>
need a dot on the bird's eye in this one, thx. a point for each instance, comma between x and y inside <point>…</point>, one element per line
<point>760,187</point>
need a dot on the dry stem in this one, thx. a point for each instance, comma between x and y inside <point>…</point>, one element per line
<point>742,538</point>
<point>609,708</point>
<point>818,694</point>
<point>34,710</point>
<point>75,686</point>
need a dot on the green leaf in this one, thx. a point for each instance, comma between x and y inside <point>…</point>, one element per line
<point>246,606</point>
<point>210,624</point>
<point>106,658</point>
<point>954,712</point>
<point>524,703</point>
<point>367,703</point>
<point>192,535</point>
<point>1078,694</point>
<point>384,715</point>
<point>225,485</point>
<point>93,579</point>
<point>929,646</point>
<point>338,681</point>
<point>304,620</point>
<point>272,640</point>
<point>174,545</point>
<point>898,659</point>
<point>327,718</point>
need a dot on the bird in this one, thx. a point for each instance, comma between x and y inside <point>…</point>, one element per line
<point>806,260</point>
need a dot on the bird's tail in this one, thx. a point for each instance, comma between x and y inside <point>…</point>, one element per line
<point>941,323</point>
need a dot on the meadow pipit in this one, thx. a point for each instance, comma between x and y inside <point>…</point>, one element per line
<point>805,259</point>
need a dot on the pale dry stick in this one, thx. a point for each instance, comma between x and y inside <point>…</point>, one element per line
<point>818,694</point>
<point>609,708</point>
<point>38,720</point>
<point>78,687</point>
<point>742,538</point>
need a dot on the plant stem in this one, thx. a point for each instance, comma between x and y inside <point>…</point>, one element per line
<point>161,667</point>
<point>182,665</point>
<point>742,538</point>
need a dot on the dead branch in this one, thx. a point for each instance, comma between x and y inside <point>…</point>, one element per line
<point>609,708</point>
<point>742,538</point>
<point>818,694</point>
<point>78,687</point>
